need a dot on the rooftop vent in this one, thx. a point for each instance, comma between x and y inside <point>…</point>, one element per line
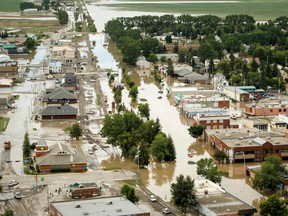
<point>85,213</point>
<point>205,191</point>
<point>118,210</point>
<point>109,203</point>
<point>77,206</point>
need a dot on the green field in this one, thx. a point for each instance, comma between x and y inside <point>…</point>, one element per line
<point>3,123</point>
<point>10,5</point>
<point>259,9</point>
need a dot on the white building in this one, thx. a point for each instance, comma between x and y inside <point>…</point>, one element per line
<point>219,81</point>
<point>55,67</point>
<point>173,57</point>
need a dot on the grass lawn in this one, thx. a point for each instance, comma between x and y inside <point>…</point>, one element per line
<point>259,9</point>
<point>10,5</point>
<point>3,123</point>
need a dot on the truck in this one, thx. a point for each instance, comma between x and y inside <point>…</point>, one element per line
<point>7,145</point>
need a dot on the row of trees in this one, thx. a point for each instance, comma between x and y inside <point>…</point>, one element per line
<point>137,138</point>
<point>63,17</point>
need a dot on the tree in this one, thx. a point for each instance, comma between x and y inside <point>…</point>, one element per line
<point>270,175</point>
<point>163,148</point>
<point>183,193</point>
<point>206,51</point>
<point>129,193</point>
<point>142,156</point>
<point>207,169</point>
<point>133,92</point>
<point>75,131</point>
<point>196,130</point>
<point>144,110</point>
<point>30,43</point>
<point>170,68</point>
<point>8,212</point>
<point>26,146</point>
<point>63,17</point>
<point>219,155</point>
<point>274,206</point>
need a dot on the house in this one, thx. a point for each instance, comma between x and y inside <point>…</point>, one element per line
<point>219,81</point>
<point>248,144</point>
<point>69,82</point>
<point>214,200</point>
<point>174,57</point>
<point>6,83</point>
<point>142,62</point>
<point>59,96</point>
<point>236,94</point>
<point>8,67</point>
<point>267,109</point>
<point>13,48</point>
<point>60,157</point>
<point>116,206</point>
<point>55,67</point>
<point>63,54</point>
<point>194,77</point>
<point>207,62</point>
<point>59,112</point>
<point>83,190</point>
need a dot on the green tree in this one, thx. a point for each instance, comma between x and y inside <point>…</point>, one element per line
<point>170,67</point>
<point>30,43</point>
<point>75,131</point>
<point>274,206</point>
<point>196,130</point>
<point>133,92</point>
<point>144,110</point>
<point>207,169</point>
<point>270,175</point>
<point>219,155</point>
<point>183,193</point>
<point>8,212</point>
<point>26,146</point>
<point>150,129</point>
<point>206,51</point>
<point>129,193</point>
<point>163,148</point>
<point>142,156</point>
<point>63,17</point>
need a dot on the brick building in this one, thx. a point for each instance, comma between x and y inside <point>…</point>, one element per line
<point>270,109</point>
<point>250,144</point>
<point>83,190</point>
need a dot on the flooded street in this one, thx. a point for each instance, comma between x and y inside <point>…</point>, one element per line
<point>159,176</point>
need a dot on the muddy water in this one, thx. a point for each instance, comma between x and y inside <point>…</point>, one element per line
<point>159,176</point>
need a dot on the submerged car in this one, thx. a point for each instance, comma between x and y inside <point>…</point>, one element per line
<point>152,198</point>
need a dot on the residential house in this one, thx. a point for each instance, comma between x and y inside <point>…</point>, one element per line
<point>214,200</point>
<point>267,109</point>
<point>63,54</point>
<point>59,112</point>
<point>69,82</point>
<point>83,190</point>
<point>174,57</point>
<point>142,63</point>
<point>248,144</point>
<point>8,67</point>
<point>60,157</point>
<point>55,67</point>
<point>116,206</point>
<point>59,96</point>
<point>219,81</point>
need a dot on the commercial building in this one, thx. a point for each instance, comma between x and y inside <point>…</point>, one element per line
<point>69,82</point>
<point>63,54</point>
<point>267,109</point>
<point>59,112</point>
<point>59,96</point>
<point>116,206</point>
<point>212,121</point>
<point>248,144</point>
<point>83,190</point>
<point>214,201</point>
<point>55,67</point>
<point>236,93</point>
<point>60,157</point>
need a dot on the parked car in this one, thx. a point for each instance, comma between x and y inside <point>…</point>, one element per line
<point>13,183</point>
<point>17,195</point>
<point>152,198</point>
<point>166,210</point>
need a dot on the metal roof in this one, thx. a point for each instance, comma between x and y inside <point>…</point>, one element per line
<point>59,110</point>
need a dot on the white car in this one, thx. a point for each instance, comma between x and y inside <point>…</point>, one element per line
<point>152,198</point>
<point>17,195</point>
<point>13,183</point>
<point>166,210</point>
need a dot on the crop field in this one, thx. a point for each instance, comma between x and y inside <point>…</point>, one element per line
<point>259,9</point>
<point>10,5</point>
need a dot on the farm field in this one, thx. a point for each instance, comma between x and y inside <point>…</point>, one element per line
<point>259,9</point>
<point>9,5</point>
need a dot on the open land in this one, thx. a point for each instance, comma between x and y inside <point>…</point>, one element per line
<point>9,6</point>
<point>260,10</point>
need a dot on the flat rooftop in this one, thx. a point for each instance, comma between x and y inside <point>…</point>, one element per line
<point>112,206</point>
<point>268,105</point>
<point>217,200</point>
